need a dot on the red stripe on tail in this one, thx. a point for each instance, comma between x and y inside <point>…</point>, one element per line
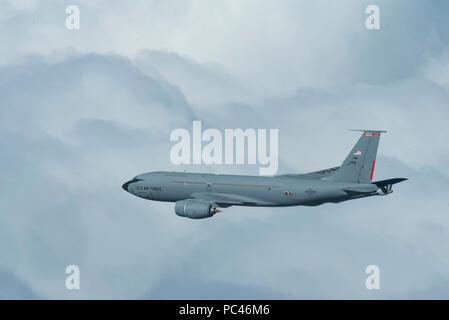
<point>372,169</point>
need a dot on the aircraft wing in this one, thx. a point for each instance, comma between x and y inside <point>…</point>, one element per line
<point>225,199</point>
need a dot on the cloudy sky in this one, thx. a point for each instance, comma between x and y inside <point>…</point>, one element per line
<point>82,111</point>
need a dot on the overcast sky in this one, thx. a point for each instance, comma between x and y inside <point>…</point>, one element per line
<point>83,111</point>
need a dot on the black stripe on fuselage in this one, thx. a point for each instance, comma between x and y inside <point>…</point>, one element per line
<point>224,184</point>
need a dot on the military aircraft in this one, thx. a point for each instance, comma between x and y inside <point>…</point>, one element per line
<point>200,195</point>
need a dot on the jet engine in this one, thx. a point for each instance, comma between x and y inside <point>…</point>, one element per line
<point>195,209</point>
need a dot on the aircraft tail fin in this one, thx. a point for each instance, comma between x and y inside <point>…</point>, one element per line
<point>358,166</point>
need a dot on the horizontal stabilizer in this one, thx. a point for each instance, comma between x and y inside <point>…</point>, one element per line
<point>384,183</point>
<point>315,175</point>
<point>387,185</point>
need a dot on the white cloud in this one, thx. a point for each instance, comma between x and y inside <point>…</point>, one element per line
<point>272,47</point>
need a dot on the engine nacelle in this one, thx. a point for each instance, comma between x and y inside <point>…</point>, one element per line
<point>195,209</point>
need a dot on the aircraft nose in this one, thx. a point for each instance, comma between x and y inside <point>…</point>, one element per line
<point>126,184</point>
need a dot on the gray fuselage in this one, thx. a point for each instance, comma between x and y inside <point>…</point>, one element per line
<point>276,191</point>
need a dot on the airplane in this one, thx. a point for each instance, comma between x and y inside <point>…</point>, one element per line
<point>202,195</point>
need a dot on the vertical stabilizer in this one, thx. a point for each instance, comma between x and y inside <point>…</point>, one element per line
<point>358,166</point>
